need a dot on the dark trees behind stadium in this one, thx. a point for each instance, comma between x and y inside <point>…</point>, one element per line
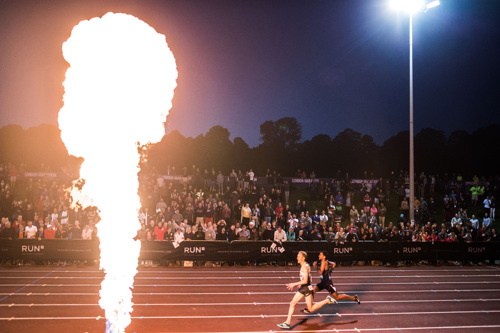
<point>281,148</point>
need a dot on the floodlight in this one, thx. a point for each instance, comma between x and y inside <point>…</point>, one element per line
<point>409,6</point>
<point>432,4</point>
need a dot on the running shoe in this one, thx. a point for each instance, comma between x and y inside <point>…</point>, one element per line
<point>331,300</point>
<point>356,299</point>
<point>284,326</point>
<point>306,311</point>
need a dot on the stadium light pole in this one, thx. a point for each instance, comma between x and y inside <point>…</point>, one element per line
<point>412,7</point>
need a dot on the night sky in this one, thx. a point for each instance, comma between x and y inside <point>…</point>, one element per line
<point>332,64</point>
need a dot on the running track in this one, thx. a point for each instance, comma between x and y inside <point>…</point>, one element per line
<point>254,299</point>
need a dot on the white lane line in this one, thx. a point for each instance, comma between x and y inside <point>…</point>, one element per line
<point>428,328</point>
<point>259,303</point>
<point>264,269</point>
<point>336,277</point>
<point>266,292</point>
<point>418,313</point>
<point>252,284</point>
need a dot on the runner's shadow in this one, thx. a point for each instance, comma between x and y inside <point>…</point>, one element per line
<point>318,327</point>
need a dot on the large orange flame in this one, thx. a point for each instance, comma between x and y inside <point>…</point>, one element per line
<point>118,90</point>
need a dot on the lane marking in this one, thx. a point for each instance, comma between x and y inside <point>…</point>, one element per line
<point>335,276</point>
<point>253,303</point>
<point>190,285</point>
<point>418,313</point>
<point>265,269</point>
<point>32,282</point>
<point>266,292</point>
<point>429,328</point>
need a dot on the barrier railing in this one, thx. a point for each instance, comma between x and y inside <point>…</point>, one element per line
<point>254,250</point>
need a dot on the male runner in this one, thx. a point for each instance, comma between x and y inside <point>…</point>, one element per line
<point>325,269</point>
<point>305,290</point>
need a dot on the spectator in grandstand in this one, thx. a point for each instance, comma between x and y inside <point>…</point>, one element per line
<point>494,236</point>
<point>315,235</point>
<point>367,201</point>
<point>159,231</point>
<point>492,208</point>
<point>290,235</point>
<point>86,233</point>
<point>353,214</point>
<point>362,234</point>
<point>226,212</point>
<point>62,233</point>
<point>222,235</point>
<point>475,222</point>
<point>351,236</point>
<point>8,232</point>
<point>340,236</point>
<point>75,232</point>
<point>486,221</point>
<point>178,236</point>
<point>199,213</point>
<point>256,214</point>
<point>315,217</point>
<point>382,211</point>
<point>198,232</point>
<point>432,237</point>
<point>268,233</point>
<point>300,236</point>
<point>30,231</point>
<point>487,204</point>
<point>483,235</point>
<point>210,232</point>
<point>40,233</point>
<point>220,182</point>
<point>48,233</point>
<point>246,214</point>
<point>456,219</point>
<point>293,220</point>
<point>268,213</point>
<point>161,206</point>
<point>232,233</point>
<point>141,233</point>
<point>395,235</point>
<point>280,235</point>
<point>339,199</point>
<point>474,193</point>
<point>169,234</point>
<point>177,216</point>
<point>323,217</point>
<point>244,234</point>
<point>404,206</point>
<point>373,220</point>
<point>189,234</point>
<point>254,234</point>
<point>443,236</point>
<point>329,235</point>
<point>401,222</point>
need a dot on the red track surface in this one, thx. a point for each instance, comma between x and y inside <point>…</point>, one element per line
<point>254,299</point>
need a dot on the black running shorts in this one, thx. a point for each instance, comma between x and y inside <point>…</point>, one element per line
<point>306,290</point>
<point>326,286</point>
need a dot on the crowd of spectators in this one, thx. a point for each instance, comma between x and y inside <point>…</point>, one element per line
<point>209,205</point>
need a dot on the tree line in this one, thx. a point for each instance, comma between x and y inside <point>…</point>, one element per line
<point>281,148</point>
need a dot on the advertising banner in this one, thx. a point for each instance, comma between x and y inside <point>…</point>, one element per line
<point>260,251</point>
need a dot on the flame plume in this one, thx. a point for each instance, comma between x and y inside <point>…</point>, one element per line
<point>118,90</point>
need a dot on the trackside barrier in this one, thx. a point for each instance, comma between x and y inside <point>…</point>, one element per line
<point>30,249</point>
